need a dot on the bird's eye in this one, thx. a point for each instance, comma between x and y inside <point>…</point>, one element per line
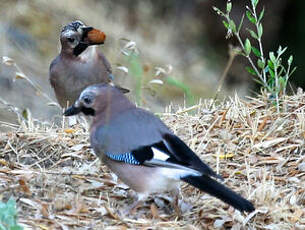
<point>87,100</point>
<point>71,40</point>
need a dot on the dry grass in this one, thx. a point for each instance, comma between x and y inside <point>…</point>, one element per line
<point>59,183</point>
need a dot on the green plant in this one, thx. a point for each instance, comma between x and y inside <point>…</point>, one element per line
<point>136,71</point>
<point>270,71</point>
<point>8,216</point>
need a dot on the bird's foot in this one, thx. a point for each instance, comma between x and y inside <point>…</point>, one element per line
<point>177,207</point>
<point>132,209</point>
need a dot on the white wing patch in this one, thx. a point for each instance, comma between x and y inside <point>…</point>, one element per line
<point>159,155</point>
<point>177,174</point>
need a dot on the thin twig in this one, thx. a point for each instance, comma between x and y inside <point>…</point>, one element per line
<point>232,54</point>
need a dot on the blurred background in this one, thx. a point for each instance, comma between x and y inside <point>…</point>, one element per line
<point>180,43</point>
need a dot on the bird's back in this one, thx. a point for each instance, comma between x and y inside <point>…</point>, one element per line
<point>127,131</point>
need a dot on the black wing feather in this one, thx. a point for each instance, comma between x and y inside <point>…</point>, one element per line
<point>218,190</point>
<point>185,155</point>
<point>179,153</point>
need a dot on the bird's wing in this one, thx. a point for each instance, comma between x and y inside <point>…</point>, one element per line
<point>53,75</point>
<point>105,62</point>
<point>138,137</point>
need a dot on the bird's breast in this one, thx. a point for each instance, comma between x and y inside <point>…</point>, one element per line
<point>142,179</point>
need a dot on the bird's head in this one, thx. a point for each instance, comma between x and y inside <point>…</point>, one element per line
<point>86,103</point>
<point>96,99</point>
<point>76,37</point>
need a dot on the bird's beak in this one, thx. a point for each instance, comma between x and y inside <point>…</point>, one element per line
<point>92,36</point>
<point>73,110</point>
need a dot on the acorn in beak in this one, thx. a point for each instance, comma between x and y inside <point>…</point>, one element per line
<point>92,36</point>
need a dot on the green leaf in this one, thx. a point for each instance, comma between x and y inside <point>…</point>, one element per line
<point>247,47</point>
<point>255,2</point>
<point>261,15</point>
<point>225,24</point>
<point>258,81</point>
<point>218,11</point>
<point>136,70</point>
<point>290,60</point>
<point>272,57</point>
<point>253,34</point>
<point>256,52</point>
<point>280,50</point>
<point>270,64</point>
<point>282,83</point>
<point>251,71</point>
<point>271,72</point>
<point>250,17</point>
<point>260,30</point>
<point>260,64</point>
<point>271,82</point>
<point>8,215</point>
<point>229,7</point>
<point>185,88</point>
<point>281,70</point>
<point>292,71</point>
<point>16,227</point>
<point>232,26</point>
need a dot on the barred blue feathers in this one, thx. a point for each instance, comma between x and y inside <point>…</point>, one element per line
<point>124,157</point>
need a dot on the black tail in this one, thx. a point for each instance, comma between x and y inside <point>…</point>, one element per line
<point>218,190</point>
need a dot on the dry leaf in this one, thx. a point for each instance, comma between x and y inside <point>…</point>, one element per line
<point>20,75</point>
<point>225,156</point>
<point>44,210</point>
<point>24,187</point>
<point>7,61</point>
<point>263,124</point>
<point>32,203</point>
<point>102,210</point>
<point>111,214</point>
<point>52,104</point>
<point>130,45</point>
<point>122,68</point>
<point>62,204</point>
<point>301,167</point>
<point>219,223</point>
<point>154,211</point>
<point>69,131</point>
<point>43,227</point>
<point>78,147</point>
<point>3,162</point>
<point>156,81</point>
<point>267,144</point>
<point>159,71</point>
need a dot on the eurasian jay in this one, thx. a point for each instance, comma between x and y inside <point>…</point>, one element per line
<point>142,151</point>
<point>79,64</point>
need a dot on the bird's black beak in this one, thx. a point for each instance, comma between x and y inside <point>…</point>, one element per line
<point>86,29</point>
<point>72,110</point>
<point>77,108</point>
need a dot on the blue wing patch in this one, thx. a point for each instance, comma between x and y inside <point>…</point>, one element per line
<point>124,157</point>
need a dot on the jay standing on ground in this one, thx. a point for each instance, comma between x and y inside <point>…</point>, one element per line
<point>142,151</point>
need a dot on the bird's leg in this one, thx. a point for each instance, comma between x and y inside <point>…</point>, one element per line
<point>177,194</point>
<point>179,205</point>
<point>136,204</point>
